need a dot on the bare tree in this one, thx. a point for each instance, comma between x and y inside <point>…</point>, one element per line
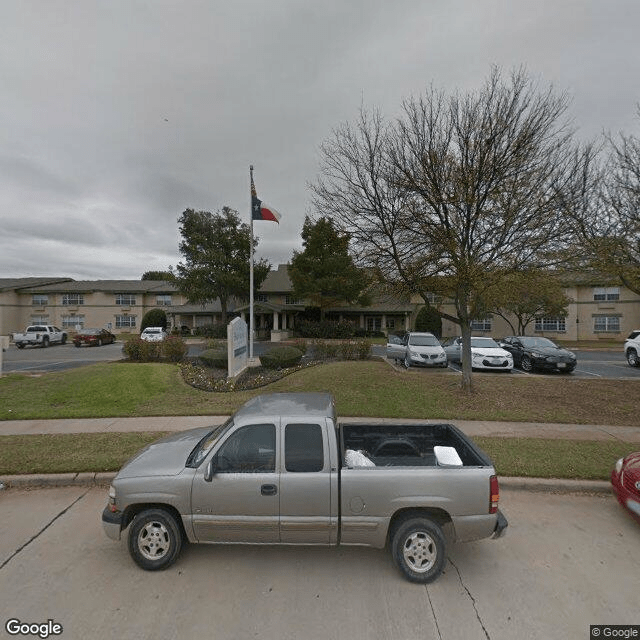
<point>459,191</point>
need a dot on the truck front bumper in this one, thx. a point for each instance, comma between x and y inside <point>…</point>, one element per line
<point>501,526</point>
<point>112,523</point>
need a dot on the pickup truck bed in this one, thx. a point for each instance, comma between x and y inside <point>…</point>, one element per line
<point>408,444</point>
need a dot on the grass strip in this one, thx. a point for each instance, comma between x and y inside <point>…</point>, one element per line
<point>528,457</point>
<point>365,388</point>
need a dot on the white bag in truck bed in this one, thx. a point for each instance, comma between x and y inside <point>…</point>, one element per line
<point>447,455</point>
<point>357,459</point>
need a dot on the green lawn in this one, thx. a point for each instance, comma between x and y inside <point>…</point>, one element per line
<point>65,453</point>
<point>365,388</point>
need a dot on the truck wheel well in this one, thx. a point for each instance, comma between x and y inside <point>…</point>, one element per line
<point>134,509</point>
<point>439,516</point>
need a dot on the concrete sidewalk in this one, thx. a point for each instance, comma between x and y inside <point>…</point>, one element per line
<point>180,423</point>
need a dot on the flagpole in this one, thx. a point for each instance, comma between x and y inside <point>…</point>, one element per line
<point>251,268</point>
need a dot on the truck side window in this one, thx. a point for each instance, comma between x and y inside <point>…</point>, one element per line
<point>303,448</point>
<point>251,449</point>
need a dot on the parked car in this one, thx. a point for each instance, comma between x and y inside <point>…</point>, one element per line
<point>93,337</point>
<point>486,353</point>
<point>153,334</point>
<point>415,348</point>
<point>632,348</point>
<point>625,480</point>
<point>40,335</point>
<point>531,352</point>
<point>283,470</point>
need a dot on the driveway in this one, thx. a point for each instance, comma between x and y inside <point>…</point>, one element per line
<point>567,561</point>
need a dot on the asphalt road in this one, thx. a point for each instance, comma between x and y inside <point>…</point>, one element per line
<point>591,364</point>
<point>567,561</point>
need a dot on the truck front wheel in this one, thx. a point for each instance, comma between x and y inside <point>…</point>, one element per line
<point>155,539</point>
<point>418,549</point>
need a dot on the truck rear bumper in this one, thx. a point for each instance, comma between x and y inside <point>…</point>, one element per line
<point>501,526</point>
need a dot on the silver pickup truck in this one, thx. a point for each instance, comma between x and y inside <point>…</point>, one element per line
<point>283,471</point>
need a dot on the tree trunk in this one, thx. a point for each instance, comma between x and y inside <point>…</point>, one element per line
<point>467,369</point>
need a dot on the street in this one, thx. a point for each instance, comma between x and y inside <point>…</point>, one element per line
<point>567,561</point>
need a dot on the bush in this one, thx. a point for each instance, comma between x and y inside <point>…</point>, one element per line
<point>215,358</point>
<point>132,348</point>
<point>301,345</point>
<point>154,318</point>
<point>326,329</point>
<point>150,351</point>
<point>212,331</point>
<point>355,350</point>
<point>324,350</point>
<point>174,349</point>
<point>429,319</point>
<point>281,358</point>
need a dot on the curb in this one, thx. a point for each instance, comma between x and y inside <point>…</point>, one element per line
<point>86,479</point>
<point>546,485</point>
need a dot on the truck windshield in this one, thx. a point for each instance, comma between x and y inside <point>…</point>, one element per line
<point>201,450</point>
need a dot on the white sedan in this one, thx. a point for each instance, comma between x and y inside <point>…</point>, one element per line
<point>485,353</point>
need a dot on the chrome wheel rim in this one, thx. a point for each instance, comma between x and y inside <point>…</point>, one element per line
<point>420,552</point>
<point>154,540</point>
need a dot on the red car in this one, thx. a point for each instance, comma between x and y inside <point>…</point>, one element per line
<point>93,337</point>
<point>625,479</point>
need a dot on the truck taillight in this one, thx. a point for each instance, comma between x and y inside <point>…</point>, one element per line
<point>494,492</point>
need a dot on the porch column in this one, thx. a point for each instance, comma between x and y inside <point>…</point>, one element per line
<point>284,321</point>
<point>362,320</point>
<point>275,320</point>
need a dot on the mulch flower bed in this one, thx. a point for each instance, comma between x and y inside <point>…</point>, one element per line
<point>205,378</point>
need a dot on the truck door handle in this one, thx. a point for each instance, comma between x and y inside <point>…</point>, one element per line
<point>268,489</point>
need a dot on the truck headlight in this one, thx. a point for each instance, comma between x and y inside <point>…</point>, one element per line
<point>619,465</point>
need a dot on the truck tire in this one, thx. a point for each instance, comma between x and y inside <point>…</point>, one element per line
<point>632,358</point>
<point>45,342</point>
<point>418,550</point>
<point>19,345</point>
<point>155,539</point>
<point>64,338</point>
<point>526,364</point>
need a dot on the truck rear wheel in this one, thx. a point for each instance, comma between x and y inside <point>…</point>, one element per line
<point>19,345</point>
<point>155,539</point>
<point>45,342</point>
<point>418,550</point>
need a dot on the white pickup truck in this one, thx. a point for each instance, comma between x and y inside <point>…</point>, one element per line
<point>282,470</point>
<point>40,335</point>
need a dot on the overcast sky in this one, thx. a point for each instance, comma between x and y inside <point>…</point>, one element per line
<point>116,115</point>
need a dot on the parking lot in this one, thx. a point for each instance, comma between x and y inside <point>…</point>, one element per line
<point>591,364</point>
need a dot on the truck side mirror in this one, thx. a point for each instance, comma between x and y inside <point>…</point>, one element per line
<point>210,470</point>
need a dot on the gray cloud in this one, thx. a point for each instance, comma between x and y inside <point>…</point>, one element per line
<point>118,114</point>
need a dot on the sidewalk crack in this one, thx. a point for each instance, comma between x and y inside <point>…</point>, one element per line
<point>37,535</point>
<point>433,612</point>
<point>473,600</point>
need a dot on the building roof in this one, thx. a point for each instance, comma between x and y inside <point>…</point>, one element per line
<point>9,284</point>
<point>278,281</point>
<point>108,286</point>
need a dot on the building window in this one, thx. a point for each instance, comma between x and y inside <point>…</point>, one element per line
<point>71,322</point>
<point>163,300</point>
<point>261,297</point>
<point>39,320</point>
<point>606,293</point>
<point>39,300</point>
<point>606,323</point>
<point>391,323</point>
<point>551,324</point>
<point>125,299</point>
<point>374,324</point>
<point>483,324</point>
<point>125,322</point>
<point>291,300</point>
<point>72,299</point>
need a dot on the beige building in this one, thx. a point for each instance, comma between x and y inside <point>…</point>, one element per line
<point>599,310</point>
